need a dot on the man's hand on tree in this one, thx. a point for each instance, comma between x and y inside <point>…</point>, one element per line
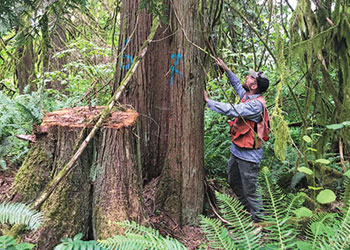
<point>206,98</point>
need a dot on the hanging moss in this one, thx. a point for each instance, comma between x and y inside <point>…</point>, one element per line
<point>282,135</point>
<point>278,124</point>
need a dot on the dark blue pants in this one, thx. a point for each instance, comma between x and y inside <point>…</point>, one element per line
<point>243,179</point>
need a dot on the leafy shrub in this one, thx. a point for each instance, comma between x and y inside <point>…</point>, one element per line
<point>17,117</point>
<point>217,144</point>
<point>9,243</point>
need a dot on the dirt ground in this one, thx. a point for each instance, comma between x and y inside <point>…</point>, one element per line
<point>6,179</point>
<point>191,237</point>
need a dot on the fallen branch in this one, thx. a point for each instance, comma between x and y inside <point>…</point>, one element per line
<point>31,138</point>
<point>341,154</point>
<point>101,117</point>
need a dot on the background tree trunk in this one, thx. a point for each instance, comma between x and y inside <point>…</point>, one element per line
<point>104,187</point>
<point>25,66</point>
<point>58,39</point>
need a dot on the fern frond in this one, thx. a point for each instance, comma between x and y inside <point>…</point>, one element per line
<point>133,227</point>
<point>346,193</point>
<point>282,234</point>
<point>77,244</point>
<point>217,234</point>
<point>9,243</point>
<point>318,228</point>
<point>25,111</point>
<point>340,239</point>
<point>240,225</point>
<point>125,242</point>
<point>295,202</point>
<point>140,237</point>
<point>19,213</point>
<point>137,241</point>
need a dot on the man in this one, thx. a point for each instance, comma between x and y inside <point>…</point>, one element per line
<point>248,130</point>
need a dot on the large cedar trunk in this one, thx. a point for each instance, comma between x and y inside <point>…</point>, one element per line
<point>181,185</point>
<point>167,91</point>
<point>148,90</point>
<point>104,186</point>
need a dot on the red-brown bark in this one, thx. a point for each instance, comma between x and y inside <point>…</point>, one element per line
<point>167,91</point>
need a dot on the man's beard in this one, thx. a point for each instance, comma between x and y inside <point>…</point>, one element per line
<point>245,87</point>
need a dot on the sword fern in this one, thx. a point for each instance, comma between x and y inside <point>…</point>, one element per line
<point>239,222</point>
<point>277,214</point>
<point>140,237</point>
<point>19,213</point>
<point>217,235</point>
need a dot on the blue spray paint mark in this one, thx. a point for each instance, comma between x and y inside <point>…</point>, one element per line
<point>126,41</point>
<point>126,57</point>
<point>127,66</point>
<point>173,67</point>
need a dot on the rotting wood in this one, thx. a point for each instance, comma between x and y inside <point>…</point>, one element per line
<point>31,138</point>
<point>101,117</point>
<point>341,154</point>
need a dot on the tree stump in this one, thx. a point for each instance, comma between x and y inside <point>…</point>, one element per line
<point>103,187</point>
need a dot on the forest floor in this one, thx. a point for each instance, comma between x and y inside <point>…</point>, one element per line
<point>192,237</point>
<point>6,179</point>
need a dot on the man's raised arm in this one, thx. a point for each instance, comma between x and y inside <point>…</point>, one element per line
<point>235,82</point>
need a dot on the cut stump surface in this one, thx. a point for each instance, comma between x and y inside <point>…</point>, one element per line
<point>79,116</point>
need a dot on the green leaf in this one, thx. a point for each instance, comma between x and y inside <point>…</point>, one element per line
<point>315,188</point>
<point>25,246</point>
<point>326,196</point>
<point>3,164</point>
<point>7,241</point>
<point>347,174</point>
<point>78,236</point>
<point>323,161</point>
<point>335,126</point>
<point>346,123</point>
<point>305,170</point>
<point>304,245</point>
<point>307,138</point>
<point>312,149</point>
<point>303,212</point>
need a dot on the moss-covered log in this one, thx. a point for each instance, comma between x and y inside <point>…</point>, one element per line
<point>103,187</point>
